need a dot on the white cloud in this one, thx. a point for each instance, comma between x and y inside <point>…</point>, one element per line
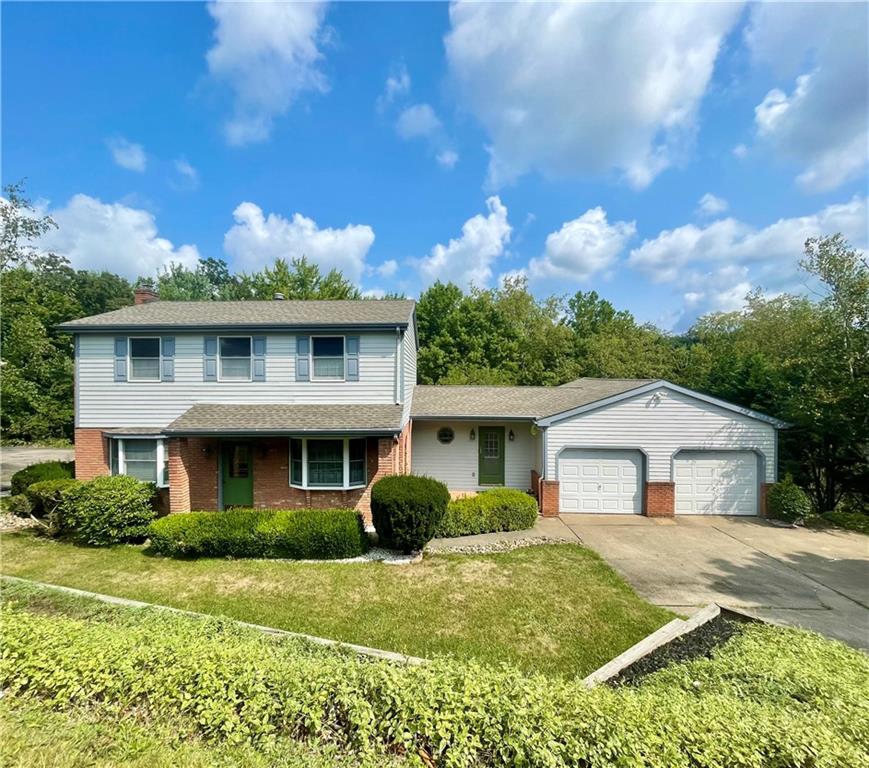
<point>188,174</point>
<point>128,155</point>
<point>387,269</point>
<point>717,264</point>
<point>397,85</point>
<point>96,235</point>
<point>469,259</point>
<point>256,240</point>
<point>268,53</point>
<point>418,121</point>
<point>374,293</point>
<point>710,205</point>
<point>740,151</point>
<point>582,247</point>
<point>576,88</point>
<point>818,119</point>
<point>447,158</point>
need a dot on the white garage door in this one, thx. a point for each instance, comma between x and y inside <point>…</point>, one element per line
<point>716,483</point>
<point>600,481</point>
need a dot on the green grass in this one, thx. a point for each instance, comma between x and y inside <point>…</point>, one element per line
<point>35,735</point>
<point>555,609</point>
<point>849,521</point>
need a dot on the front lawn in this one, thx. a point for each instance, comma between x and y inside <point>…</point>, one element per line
<point>556,609</point>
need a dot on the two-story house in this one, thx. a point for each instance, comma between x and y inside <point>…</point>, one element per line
<point>283,404</point>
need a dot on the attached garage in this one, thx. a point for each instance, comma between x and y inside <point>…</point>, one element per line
<point>716,482</point>
<point>601,481</point>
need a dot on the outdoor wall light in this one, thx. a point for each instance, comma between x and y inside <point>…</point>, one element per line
<point>207,451</point>
<point>511,437</point>
<point>473,434</point>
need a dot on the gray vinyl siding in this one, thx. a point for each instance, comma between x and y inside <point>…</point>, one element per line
<point>409,370</point>
<point>661,426</point>
<point>102,402</point>
<point>456,463</point>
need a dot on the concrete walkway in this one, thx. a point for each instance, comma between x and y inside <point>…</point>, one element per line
<point>15,457</point>
<point>813,579</point>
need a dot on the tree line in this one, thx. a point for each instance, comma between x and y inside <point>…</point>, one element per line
<point>802,359</point>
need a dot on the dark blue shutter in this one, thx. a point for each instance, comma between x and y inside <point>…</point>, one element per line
<point>209,358</point>
<point>259,358</point>
<point>352,352</point>
<point>120,358</point>
<point>303,358</point>
<point>167,367</point>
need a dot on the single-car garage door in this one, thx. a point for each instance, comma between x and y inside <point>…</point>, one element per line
<point>600,481</point>
<point>716,482</point>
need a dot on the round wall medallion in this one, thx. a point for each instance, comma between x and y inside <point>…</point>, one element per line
<point>446,435</point>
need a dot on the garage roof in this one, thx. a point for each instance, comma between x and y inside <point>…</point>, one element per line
<point>471,401</point>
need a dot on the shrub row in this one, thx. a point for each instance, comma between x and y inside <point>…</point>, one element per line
<point>35,473</point>
<point>498,509</point>
<point>769,697</point>
<point>407,510</point>
<point>105,510</point>
<point>298,534</point>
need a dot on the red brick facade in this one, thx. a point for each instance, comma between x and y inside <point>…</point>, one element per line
<point>193,463</point>
<point>91,453</point>
<point>549,498</point>
<point>660,499</point>
<point>764,490</point>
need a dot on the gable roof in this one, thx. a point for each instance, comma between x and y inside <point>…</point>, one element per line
<point>249,315</point>
<point>471,401</point>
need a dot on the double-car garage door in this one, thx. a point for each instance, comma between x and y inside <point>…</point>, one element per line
<point>611,481</point>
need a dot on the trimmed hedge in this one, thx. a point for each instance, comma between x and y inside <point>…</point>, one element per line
<point>46,495</point>
<point>35,473</point>
<point>315,534</point>
<point>18,505</point>
<point>787,501</point>
<point>768,697</point>
<point>498,509</point>
<point>407,510</point>
<point>105,510</point>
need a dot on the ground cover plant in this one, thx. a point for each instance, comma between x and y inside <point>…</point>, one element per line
<point>498,509</point>
<point>558,609</point>
<point>768,697</point>
<point>298,534</point>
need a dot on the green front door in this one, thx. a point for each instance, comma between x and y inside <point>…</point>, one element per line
<point>491,455</point>
<point>237,475</point>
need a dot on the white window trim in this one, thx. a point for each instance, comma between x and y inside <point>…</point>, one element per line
<point>162,482</point>
<point>328,379</point>
<point>220,358</point>
<point>346,485</point>
<point>130,360</point>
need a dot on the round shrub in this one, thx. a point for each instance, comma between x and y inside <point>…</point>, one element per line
<point>787,501</point>
<point>18,505</point>
<point>46,494</point>
<point>35,473</point>
<point>407,510</point>
<point>498,509</point>
<point>107,510</point>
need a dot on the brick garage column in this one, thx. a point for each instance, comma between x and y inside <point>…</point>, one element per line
<point>660,499</point>
<point>549,498</point>
<point>764,490</point>
<point>91,453</point>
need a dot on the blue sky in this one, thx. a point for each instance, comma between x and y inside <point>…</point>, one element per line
<point>670,157</point>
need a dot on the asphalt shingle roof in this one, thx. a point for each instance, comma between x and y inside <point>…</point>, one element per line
<point>249,314</point>
<point>446,401</point>
<point>211,418</point>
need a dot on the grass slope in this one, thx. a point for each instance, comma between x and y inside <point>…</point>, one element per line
<point>556,609</point>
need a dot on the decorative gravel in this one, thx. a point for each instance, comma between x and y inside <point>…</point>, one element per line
<point>502,545</point>
<point>373,555</point>
<point>9,522</point>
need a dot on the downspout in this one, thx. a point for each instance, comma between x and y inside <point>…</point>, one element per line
<point>398,366</point>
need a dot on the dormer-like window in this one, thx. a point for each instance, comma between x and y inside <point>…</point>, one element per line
<point>327,355</point>
<point>235,353</point>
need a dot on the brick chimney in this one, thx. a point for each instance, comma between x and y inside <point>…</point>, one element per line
<point>145,294</point>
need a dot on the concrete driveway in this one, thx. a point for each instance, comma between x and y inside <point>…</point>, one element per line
<point>813,579</point>
<point>13,458</point>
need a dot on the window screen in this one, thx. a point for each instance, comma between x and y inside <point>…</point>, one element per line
<point>235,357</point>
<point>145,359</point>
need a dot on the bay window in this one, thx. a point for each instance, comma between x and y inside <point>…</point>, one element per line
<point>143,458</point>
<point>327,355</point>
<point>144,358</point>
<point>328,462</point>
<point>235,353</point>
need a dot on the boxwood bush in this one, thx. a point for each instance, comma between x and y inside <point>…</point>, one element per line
<point>298,534</point>
<point>106,510</point>
<point>787,501</point>
<point>46,495</point>
<point>498,509</point>
<point>768,697</point>
<point>407,510</point>
<point>35,473</point>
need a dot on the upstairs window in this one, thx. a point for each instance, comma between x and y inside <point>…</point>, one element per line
<point>144,359</point>
<point>144,459</point>
<point>327,353</point>
<point>235,352</point>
